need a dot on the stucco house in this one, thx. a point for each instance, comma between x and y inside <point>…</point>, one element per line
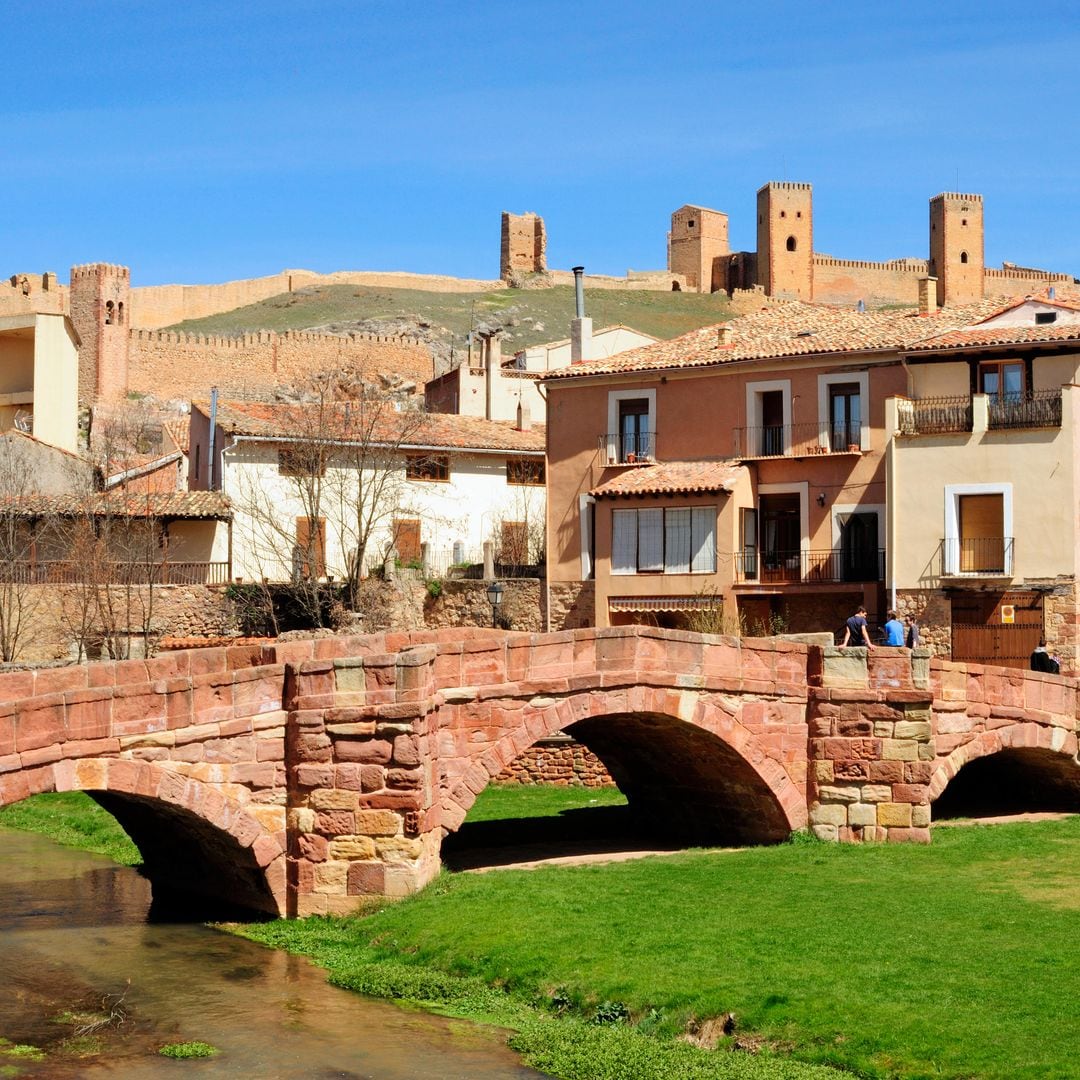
<point>334,480</point>
<point>773,463</point>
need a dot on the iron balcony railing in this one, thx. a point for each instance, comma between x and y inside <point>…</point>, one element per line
<point>978,556</point>
<point>617,448</point>
<point>934,415</point>
<point>68,572</point>
<point>797,440</point>
<point>1040,408</point>
<point>808,567</point>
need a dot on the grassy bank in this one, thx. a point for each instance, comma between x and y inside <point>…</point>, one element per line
<point>955,960</point>
<point>74,820</point>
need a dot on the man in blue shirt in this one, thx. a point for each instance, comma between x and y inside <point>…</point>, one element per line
<point>894,630</point>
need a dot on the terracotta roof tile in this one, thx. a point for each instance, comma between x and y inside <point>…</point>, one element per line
<point>179,431</point>
<point>403,429</point>
<point>673,478</point>
<point>174,504</point>
<point>998,335</point>
<point>786,329</point>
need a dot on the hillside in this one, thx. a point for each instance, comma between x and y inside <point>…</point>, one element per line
<point>527,316</point>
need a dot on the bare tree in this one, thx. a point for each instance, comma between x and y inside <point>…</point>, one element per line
<point>19,600</point>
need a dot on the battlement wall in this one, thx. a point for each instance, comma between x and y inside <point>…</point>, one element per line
<point>33,294</point>
<point>170,364</point>
<point>155,306</point>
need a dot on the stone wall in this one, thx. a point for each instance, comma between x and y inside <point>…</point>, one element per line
<point>465,603</point>
<point>931,607</point>
<point>572,604</point>
<point>187,365</point>
<point>560,762</point>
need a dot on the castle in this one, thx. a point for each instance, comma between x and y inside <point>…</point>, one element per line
<point>786,265</point>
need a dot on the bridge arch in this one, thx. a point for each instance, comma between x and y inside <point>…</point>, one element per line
<point>688,764</point>
<point>193,838</point>
<point>1022,766</point>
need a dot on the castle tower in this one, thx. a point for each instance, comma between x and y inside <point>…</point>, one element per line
<point>99,311</point>
<point>785,240</point>
<point>957,257</point>
<point>524,244</point>
<point>698,239</point>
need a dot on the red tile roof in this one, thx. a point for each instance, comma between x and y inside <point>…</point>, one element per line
<point>171,504</point>
<point>673,478</point>
<point>999,335</point>
<point>386,426</point>
<point>785,329</point>
<point>179,431</point>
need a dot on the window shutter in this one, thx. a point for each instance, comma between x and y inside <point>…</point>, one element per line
<point>624,542</point>
<point>677,541</point>
<point>650,556</point>
<point>703,540</point>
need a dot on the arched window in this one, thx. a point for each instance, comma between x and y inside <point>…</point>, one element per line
<point>108,313</point>
<point>791,245</point>
<point>963,256</point>
<point>120,313</point>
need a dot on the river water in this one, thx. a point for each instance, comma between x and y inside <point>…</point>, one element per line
<point>88,978</point>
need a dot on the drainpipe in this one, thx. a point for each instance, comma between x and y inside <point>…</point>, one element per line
<point>213,433</point>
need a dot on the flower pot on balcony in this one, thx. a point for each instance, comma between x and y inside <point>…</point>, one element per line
<point>854,448</point>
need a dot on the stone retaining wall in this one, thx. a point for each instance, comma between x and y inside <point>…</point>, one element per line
<point>559,763</point>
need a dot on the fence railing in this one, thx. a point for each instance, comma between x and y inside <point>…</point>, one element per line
<point>1040,408</point>
<point>808,567</point>
<point>619,449</point>
<point>68,572</point>
<point>977,555</point>
<point>797,440</point>
<point>934,415</point>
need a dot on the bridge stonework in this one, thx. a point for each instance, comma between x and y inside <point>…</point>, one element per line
<point>302,778</point>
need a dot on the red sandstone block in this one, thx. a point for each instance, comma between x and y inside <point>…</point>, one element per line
<point>364,751</point>
<point>102,674</point>
<point>16,684</point>
<point>240,725</point>
<point>128,672</point>
<point>310,846</point>
<point>124,776</point>
<point>246,830</point>
<point>168,665</point>
<point>270,749</point>
<point>15,787</point>
<point>406,750</point>
<point>366,879</point>
<point>336,822</point>
<point>75,748</point>
<point>40,722</point>
<point>230,751</point>
<point>898,835</point>
<point>136,710</point>
<point>242,656</point>
<point>910,793</point>
<point>314,776</point>
<point>852,769</point>
<point>886,772</point>
<point>918,772</point>
<point>404,779</point>
<point>10,762</point>
<point>57,680</point>
<point>394,800</point>
<point>171,787</point>
<point>44,755</point>
<point>7,735</point>
<point>266,849</point>
<point>254,775</point>
<point>372,778</point>
<point>293,652</point>
<point>206,662</point>
<point>312,747</point>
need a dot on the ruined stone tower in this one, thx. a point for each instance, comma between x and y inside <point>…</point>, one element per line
<point>99,312</point>
<point>697,245</point>
<point>785,240</point>
<point>956,247</point>
<point>523,245</point>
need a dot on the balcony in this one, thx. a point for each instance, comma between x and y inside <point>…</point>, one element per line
<point>934,415</point>
<point>1040,408</point>
<point>67,572</point>
<point>808,567</point>
<point>619,449</point>
<point>797,440</point>
<point>983,556</point>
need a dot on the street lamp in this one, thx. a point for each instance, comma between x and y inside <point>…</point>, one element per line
<point>494,595</point>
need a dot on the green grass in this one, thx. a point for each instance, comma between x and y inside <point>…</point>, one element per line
<point>952,960</point>
<point>73,819</point>
<point>184,1050</point>
<point>503,802</point>
<point>531,316</point>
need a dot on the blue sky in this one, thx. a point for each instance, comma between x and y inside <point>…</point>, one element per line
<point>198,141</point>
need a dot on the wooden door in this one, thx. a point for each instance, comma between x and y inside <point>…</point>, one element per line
<point>979,636</point>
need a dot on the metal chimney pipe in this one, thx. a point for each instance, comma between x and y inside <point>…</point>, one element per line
<point>579,292</point>
<point>213,433</point>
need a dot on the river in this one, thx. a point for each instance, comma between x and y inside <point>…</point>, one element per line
<point>96,984</point>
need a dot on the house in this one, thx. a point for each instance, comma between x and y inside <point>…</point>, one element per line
<point>317,487</point>
<point>486,385</point>
<point>983,481</point>
<point>744,463</point>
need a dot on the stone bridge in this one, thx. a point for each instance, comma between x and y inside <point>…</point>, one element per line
<point>299,778</point>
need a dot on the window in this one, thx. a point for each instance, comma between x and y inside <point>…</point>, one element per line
<point>1002,381</point>
<point>982,534</point>
<point>309,552</point>
<point>791,244</point>
<point>748,542</point>
<point>524,471</point>
<point>768,418</point>
<point>427,467</point>
<point>634,442</point>
<point>1044,317</point>
<point>302,461</point>
<point>690,223</point>
<point>664,541</point>
<point>198,454</point>
<point>783,213</point>
<point>845,416</point>
<point>963,256</point>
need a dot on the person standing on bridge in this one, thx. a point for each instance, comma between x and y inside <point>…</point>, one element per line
<point>856,627</point>
<point>1041,660</point>
<point>894,631</point>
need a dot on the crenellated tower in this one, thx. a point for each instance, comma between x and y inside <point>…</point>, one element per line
<point>697,246</point>
<point>100,303</point>
<point>957,257</point>
<point>785,240</point>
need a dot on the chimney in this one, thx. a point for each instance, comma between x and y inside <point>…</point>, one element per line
<point>860,307</point>
<point>1051,293</point>
<point>492,369</point>
<point>724,335</point>
<point>580,326</point>
<point>524,419</point>
<point>928,296</point>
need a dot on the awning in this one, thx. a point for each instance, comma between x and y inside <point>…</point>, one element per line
<point>663,603</point>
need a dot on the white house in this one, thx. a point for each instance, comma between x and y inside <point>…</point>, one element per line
<point>340,478</point>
